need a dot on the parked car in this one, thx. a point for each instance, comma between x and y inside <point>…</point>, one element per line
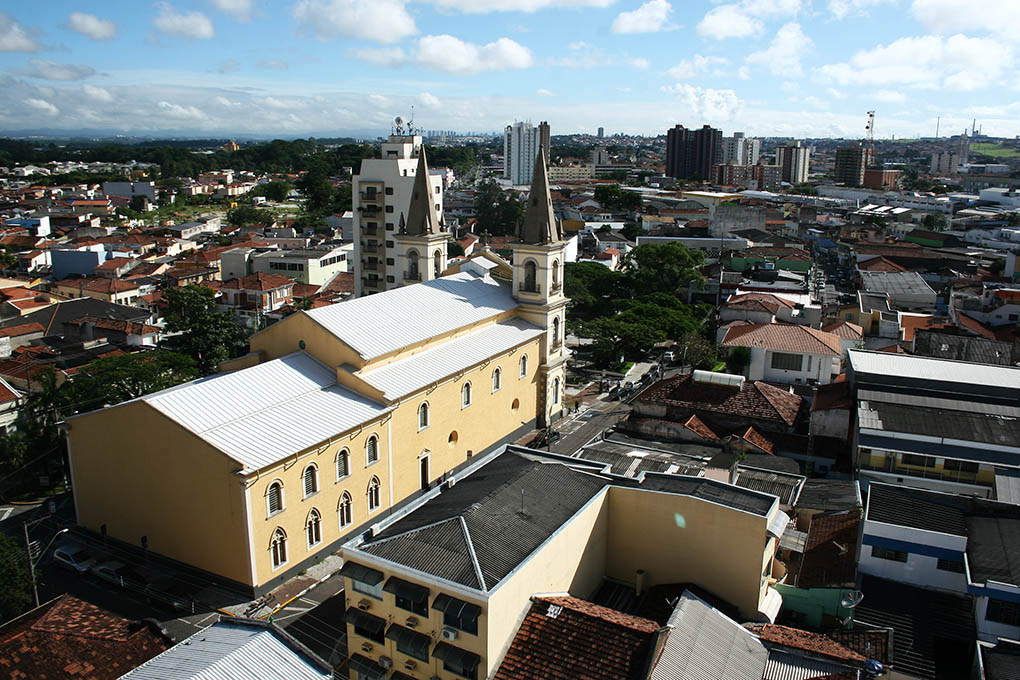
<point>74,556</point>
<point>668,357</point>
<point>172,592</point>
<point>119,574</point>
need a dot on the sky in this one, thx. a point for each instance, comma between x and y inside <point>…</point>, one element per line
<point>292,68</point>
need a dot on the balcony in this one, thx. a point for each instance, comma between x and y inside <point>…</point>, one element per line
<point>371,266</point>
<point>943,475</point>
<point>369,249</point>
<point>369,231</point>
<point>530,288</point>
<point>412,276</point>
<point>370,197</point>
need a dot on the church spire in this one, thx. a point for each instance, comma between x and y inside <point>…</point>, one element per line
<point>540,226</point>
<point>421,215</point>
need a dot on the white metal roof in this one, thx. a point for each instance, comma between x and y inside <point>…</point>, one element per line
<point>262,414</point>
<point>945,370</point>
<point>379,324</point>
<point>422,369</point>
<point>227,650</point>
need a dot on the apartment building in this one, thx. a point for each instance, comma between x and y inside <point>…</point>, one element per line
<point>521,142</point>
<point>795,161</point>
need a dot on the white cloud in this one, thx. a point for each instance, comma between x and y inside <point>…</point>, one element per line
<point>950,16</point>
<point>382,21</point>
<point>707,103</point>
<point>579,45</point>
<point>958,63</point>
<point>689,68</point>
<point>891,96</point>
<point>228,66</point>
<point>542,92</point>
<point>843,8</point>
<point>239,9</point>
<point>43,106</point>
<point>181,112</point>
<point>782,56</point>
<point>13,37</point>
<point>639,62</point>
<point>728,21</point>
<point>648,18</point>
<point>49,70</point>
<point>453,55</point>
<point>92,26</point>
<point>97,93</point>
<point>429,100</point>
<point>272,64</point>
<point>379,100</point>
<point>487,6</point>
<point>814,102</point>
<point>383,56</point>
<point>191,25</point>
<point>835,94</point>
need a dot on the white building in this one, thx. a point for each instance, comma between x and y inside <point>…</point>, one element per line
<point>794,161</point>
<point>521,142</point>
<point>741,150</point>
<point>789,354</point>
<point>381,196</point>
<point>130,189</point>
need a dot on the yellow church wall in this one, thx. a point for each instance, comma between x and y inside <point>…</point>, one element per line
<point>285,337</point>
<point>140,474</point>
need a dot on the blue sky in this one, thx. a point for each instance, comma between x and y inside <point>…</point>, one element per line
<point>333,67</point>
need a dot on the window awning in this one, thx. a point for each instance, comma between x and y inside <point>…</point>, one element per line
<point>366,667</point>
<point>455,656</point>
<point>406,589</point>
<point>454,607</point>
<point>359,572</point>
<point>365,621</point>
<point>409,639</point>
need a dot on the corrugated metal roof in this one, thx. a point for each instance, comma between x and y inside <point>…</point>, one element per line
<point>705,644</point>
<point>786,666</point>
<point>943,370</point>
<point>379,324</point>
<point>262,414</point>
<point>1007,486</point>
<point>228,650</point>
<point>418,371</point>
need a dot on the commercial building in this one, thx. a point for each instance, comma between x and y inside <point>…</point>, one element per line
<point>879,178</point>
<point>310,266</point>
<point>440,591</point>
<point>851,162</point>
<point>521,142</point>
<point>381,197</point>
<point>690,154</point>
<point>337,416</point>
<point>906,291</point>
<point>755,177</point>
<point>794,161</point>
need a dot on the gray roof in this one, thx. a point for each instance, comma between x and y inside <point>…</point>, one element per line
<point>424,368</point>
<point>917,508</point>
<point>993,549</point>
<point>265,413</point>
<point>1007,485</point>
<point>234,649</point>
<point>787,666</point>
<point>784,485</point>
<point>890,365</point>
<point>379,324</point>
<point>962,348</point>
<point>830,494</point>
<point>629,460</point>
<point>705,644</point>
<point>895,283</point>
<point>946,423</point>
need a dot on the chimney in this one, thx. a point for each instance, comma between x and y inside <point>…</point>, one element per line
<point>639,582</point>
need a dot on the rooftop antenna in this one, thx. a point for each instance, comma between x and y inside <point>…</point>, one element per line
<point>937,121</point>
<point>398,126</point>
<point>410,122</point>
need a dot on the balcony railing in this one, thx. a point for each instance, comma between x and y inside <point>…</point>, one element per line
<point>556,287</point>
<point>369,249</point>
<point>530,288</point>
<point>371,266</point>
<point>367,197</point>
<point>412,276</point>
<point>369,231</point>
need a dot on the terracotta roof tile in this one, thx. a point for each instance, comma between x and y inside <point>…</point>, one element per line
<point>833,396</point>
<point>784,338</point>
<point>830,552</point>
<point>816,643</point>
<point>845,329</point>
<point>752,436</point>
<point>764,297</point>
<point>880,264</point>
<point>753,400</point>
<point>23,329</point>
<point>564,637</point>
<point>259,281</point>
<point>699,428</point>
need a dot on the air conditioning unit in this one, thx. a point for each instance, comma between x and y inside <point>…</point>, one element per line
<point>385,662</point>
<point>365,604</point>
<point>410,665</point>
<point>366,646</point>
<point>449,633</point>
<point>411,622</point>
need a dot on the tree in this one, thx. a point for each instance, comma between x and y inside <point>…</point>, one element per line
<point>15,581</point>
<point>663,267</point>
<point>207,336</point>
<point>111,380</point>
<point>631,230</point>
<point>316,188</point>
<point>590,287</point>
<point>275,191</point>
<point>738,360</point>
<point>934,221</point>
<point>243,215</point>
<point>499,213</point>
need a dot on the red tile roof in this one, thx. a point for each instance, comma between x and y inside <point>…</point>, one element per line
<point>128,327</point>
<point>833,396</point>
<point>757,439</point>
<point>815,643</point>
<point>830,552</point>
<point>69,638</point>
<point>880,264</point>
<point>565,638</point>
<point>259,281</point>
<point>911,323</point>
<point>753,400</point>
<point>1002,333</point>
<point>845,329</point>
<point>784,338</point>
<point>23,329</point>
<point>699,428</point>
<point>763,297</point>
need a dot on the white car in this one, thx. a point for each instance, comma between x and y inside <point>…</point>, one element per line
<point>119,574</point>
<point>74,556</point>
<point>668,357</point>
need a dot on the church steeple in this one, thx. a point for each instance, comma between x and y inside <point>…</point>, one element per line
<point>422,218</point>
<point>540,226</point>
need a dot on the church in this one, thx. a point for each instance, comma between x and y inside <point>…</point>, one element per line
<point>338,416</point>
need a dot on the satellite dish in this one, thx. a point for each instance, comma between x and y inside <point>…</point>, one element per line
<point>398,121</point>
<point>851,599</point>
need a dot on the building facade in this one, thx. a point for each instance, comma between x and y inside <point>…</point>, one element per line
<point>794,161</point>
<point>851,161</point>
<point>521,142</point>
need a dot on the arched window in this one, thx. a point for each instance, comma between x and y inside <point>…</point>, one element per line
<point>310,480</point>
<point>465,395</point>
<point>556,332</point>
<point>412,265</point>
<point>423,415</point>
<point>278,548</point>
<point>497,379</point>
<point>313,528</point>
<point>372,450</point>
<point>556,274</point>
<point>344,510</point>
<point>274,498</point>
<point>524,366</point>
<point>531,276</point>
<point>373,494</point>
<point>437,264</point>
<point>556,391</point>
<point>343,464</point>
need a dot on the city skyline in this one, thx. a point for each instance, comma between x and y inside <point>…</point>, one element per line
<point>790,68</point>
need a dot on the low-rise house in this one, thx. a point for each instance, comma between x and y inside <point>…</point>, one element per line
<point>907,291</point>
<point>787,353</point>
<point>116,291</point>
<point>256,295</point>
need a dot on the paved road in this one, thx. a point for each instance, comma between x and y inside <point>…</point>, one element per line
<point>577,430</point>
<point>318,622</point>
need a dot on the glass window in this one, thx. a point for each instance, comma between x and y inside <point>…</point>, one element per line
<point>556,391</point>
<point>375,591</point>
<point>274,498</point>
<point>310,480</point>
<point>950,565</point>
<point>524,366</point>
<point>497,380</point>
<point>373,494</point>
<point>278,548</point>
<point>917,460</point>
<point>372,450</point>
<point>344,510</point>
<point>419,607</point>
<point>467,624</point>
<point>961,466</point>
<point>343,464</point>
<point>786,362</point>
<point>887,554</point>
<point>423,416</point>
<point>465,395</point>
<point>313,528</point>
<point>1003,612</point>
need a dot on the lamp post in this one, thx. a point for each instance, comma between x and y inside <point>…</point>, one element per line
<point>32,562</point>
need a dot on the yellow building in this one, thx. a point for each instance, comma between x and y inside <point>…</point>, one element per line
<point>336,418</point>
<point>440,591</point>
